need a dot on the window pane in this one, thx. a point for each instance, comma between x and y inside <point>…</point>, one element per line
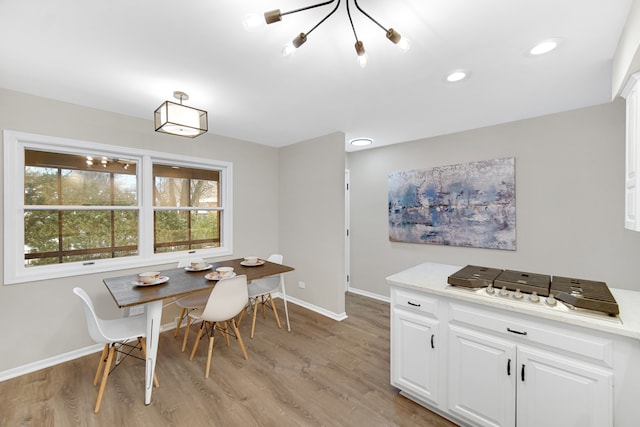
<point>204,193</point>
<point>73,179</point>
<point>53,236</point>
<point>40,186</point>
<point>171,192</point>
<point>184,230</point>
<point>171,226</point>
<point>125,190</point>
<point>204,226</point>
<point>85,188</point>
<point>40,236</point>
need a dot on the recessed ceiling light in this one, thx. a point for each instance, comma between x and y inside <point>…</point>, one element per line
<point>361,142</point>
<point>544,46</point>
<point>456,76</point>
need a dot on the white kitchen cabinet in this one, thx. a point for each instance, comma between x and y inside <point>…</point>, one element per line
<point>632,153</point>
<point>415,345</point>
<point>498,382</point>
<point>579,369</point>
<point>482,372</point>
<point>558,391</point>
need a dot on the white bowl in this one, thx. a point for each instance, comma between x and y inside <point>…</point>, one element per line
<point>224,272</point>
<point>149,276</point>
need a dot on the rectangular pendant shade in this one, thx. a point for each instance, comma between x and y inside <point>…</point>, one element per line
<point>178,119</point>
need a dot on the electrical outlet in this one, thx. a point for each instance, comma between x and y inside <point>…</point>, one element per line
<point>301,285</point>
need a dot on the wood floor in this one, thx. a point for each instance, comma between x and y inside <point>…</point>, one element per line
<point>323,373</point>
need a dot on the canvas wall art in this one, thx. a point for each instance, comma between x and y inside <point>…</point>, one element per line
<point>470,204</point>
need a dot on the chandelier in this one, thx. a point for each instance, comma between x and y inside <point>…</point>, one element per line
<point>276,15</point>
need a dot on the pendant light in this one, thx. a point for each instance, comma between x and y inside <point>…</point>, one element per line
<point>179,119</point>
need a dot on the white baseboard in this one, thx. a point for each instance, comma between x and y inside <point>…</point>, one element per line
<point>370,295</point>
<point>75,354</point>
<point>61,358</point>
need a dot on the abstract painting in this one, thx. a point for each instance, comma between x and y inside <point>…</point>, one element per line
<point>469,204</point>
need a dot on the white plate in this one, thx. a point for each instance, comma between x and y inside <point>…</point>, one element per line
<point>206,267</point>
<point>161,279</point>
<point>249,264</point>
<point>215,276</point>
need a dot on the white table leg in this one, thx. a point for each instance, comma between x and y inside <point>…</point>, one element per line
<point>153,310</point>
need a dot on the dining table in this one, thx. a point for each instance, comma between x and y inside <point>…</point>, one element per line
<point>128,292</point>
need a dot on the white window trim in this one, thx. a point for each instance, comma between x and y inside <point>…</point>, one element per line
<point>13,181</point>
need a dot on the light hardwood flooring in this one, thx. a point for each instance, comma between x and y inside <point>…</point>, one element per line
<point>323,373</point>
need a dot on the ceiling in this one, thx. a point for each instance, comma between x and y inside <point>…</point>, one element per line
<point>128,56</point>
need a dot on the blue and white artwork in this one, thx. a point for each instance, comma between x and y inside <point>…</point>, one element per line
<point>470,204</point>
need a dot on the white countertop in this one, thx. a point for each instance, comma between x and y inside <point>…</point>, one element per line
<point>432,278</point>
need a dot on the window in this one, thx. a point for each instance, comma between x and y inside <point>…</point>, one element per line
<point>187,214</point>
<point>74,207</point>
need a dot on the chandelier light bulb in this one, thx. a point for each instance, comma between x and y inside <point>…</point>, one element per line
<point>404,44</point>
<point>252,21</point>
<point>288,50</point>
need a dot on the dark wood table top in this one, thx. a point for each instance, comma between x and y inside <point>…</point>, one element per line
<point>181,282</point>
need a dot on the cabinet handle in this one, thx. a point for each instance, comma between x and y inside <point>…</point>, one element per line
<point>413,304</point>
<point>432,346</point>
<point>509,367</point>
<point>513,331</point>
<point>522,373</point>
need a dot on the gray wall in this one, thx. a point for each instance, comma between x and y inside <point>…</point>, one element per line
<point>569,200</point>
<point>312,222</point>
<point>44,320</point>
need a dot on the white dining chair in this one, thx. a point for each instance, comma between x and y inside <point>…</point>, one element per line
<point>116,335</point>
<point>260,291</point>
<point>189,302</point>
<point>227,299</point>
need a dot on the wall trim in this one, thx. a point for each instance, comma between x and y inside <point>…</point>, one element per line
<point>81,352</point>
<point>369,295</point>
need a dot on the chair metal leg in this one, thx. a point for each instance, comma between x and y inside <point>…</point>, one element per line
<point>105,375</point>
<point>225,331</point>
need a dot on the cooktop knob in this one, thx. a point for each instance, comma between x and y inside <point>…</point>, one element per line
<point>517,294</point>
<point>534,297</point>
<point>504,292</point>
<point>551,300</point>
<point>490,289</point>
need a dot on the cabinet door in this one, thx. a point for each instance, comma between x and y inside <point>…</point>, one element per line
<point>414,345</point>
<point>482,372</point>
<point>557,391</point>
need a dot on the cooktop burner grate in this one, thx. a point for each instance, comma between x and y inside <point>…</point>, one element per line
<point>474,276</point>
<point>584,294</point>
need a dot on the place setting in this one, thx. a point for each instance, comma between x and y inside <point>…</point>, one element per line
<point>198,265</point>
<point>252,261</point>
<point>221,273</point>
<point>150,278</point>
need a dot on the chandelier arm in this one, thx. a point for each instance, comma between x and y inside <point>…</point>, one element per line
<point>302,9</point>
<point>351,21</point>
<point>326,17</point>
<point>367,15</point>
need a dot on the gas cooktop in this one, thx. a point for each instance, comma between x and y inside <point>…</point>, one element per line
<point>581,296</point>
